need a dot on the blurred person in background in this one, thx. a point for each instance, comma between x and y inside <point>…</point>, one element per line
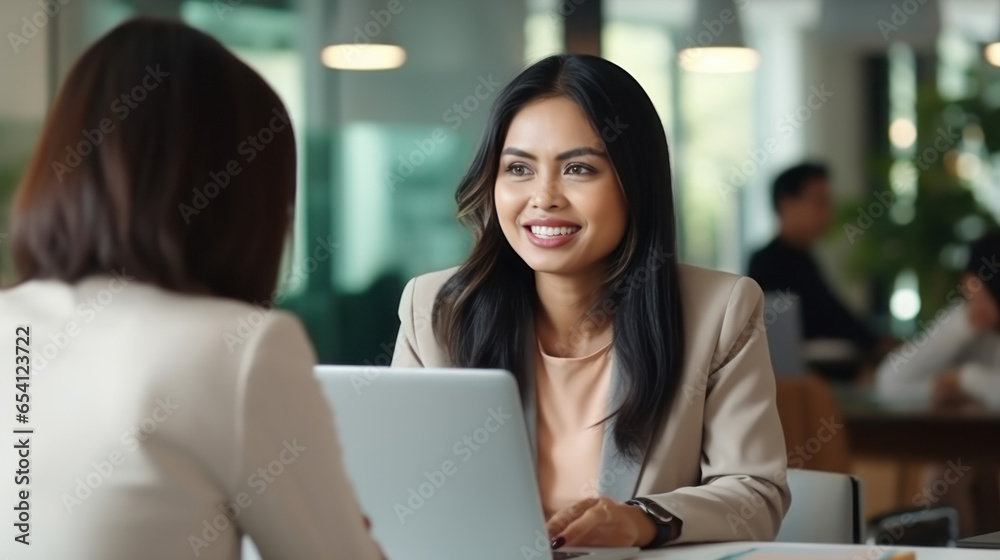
<point>957,358</point>
<point>801,198</point>
<point>174,411</point>
<point>634,368</point>
<point>955,362</point>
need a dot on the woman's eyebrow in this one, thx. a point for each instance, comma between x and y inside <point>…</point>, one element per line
<point>518,153</point>
<point>582,151</point>
<point>575,152</point>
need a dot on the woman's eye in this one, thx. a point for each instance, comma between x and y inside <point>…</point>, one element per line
<point>517,170</point>
<point>577,169</point>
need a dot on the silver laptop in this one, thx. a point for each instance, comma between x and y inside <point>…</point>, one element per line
<point>441,463</point>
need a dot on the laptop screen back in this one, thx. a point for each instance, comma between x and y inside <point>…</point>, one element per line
<point>440,460</point>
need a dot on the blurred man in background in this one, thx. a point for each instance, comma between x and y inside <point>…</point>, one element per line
<point>801,198</point>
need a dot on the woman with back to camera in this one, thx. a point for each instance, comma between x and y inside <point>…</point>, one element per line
<point>573,285</point>
<point>164,428</point>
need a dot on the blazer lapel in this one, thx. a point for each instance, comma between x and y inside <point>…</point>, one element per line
<point>618,477</point>
<point>528,397</point>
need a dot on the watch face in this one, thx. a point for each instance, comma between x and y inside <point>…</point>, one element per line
<point>656,510</point>
<point>663,514</point>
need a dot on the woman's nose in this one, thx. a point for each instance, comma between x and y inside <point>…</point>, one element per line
<point>547,195</point>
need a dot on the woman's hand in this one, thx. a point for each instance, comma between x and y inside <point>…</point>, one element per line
<point>600,522</point>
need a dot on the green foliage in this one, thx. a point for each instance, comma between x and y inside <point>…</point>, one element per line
<point>920,232</point>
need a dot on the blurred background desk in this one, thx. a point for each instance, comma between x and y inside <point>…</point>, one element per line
<point>918,432</point>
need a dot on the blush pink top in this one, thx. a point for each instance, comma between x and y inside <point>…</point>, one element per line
<point>572,399</point>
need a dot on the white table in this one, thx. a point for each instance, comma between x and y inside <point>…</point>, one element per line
<point>715,551</point>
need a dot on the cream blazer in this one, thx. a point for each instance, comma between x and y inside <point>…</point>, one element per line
<point>719,462</point>
<point>167,426</point>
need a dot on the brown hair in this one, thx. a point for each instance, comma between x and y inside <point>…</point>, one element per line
<point>163,156</point>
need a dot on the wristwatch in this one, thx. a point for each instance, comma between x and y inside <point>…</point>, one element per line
<point>667,526</point>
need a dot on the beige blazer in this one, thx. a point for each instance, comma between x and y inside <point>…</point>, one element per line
<point>168,426</point>
<point>719,462</point>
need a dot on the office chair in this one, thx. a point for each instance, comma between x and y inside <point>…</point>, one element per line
<point>826,508</point>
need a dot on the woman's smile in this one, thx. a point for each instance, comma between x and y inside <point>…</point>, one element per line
<point>549,233</point>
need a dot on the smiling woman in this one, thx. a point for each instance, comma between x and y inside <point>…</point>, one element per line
<point>549,197</point>
<point>573,286</point>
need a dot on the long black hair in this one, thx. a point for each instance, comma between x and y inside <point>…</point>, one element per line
<point>484,314</point>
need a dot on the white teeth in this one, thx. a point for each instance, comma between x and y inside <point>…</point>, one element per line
<point>545,231</point>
